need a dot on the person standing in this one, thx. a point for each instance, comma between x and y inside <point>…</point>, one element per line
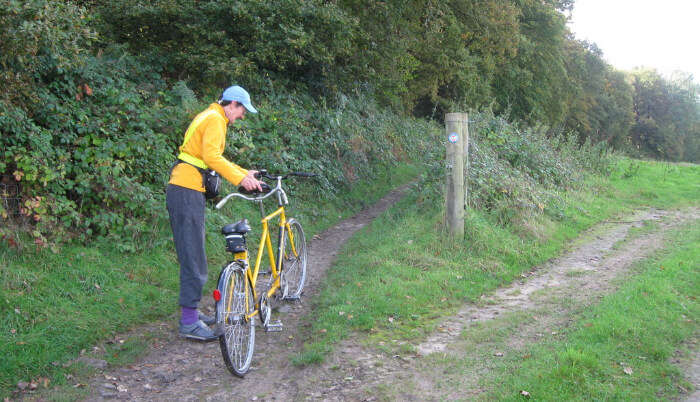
<point>203,148</point>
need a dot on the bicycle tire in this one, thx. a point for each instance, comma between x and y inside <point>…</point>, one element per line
<point>237,339</point>
<point>294,266</point>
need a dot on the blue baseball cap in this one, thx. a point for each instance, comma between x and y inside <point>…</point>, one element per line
<point>240,95</point>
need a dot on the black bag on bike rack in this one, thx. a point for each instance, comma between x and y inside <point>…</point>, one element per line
<point>235,236</point>
<point>235,243</point>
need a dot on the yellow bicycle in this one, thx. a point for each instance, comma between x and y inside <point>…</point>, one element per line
<point>237,301</point>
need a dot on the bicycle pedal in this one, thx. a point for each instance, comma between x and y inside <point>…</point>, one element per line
<point>274,326</point>
<point>292,298</point>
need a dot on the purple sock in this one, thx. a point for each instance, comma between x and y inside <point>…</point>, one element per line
<point>189,315</point>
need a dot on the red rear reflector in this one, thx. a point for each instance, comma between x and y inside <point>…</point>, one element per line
<point>217,295</point>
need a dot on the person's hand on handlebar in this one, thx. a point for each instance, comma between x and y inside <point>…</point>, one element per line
<point>250,183</point>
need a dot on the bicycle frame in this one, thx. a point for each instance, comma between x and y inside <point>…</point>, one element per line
<point>266,244</point>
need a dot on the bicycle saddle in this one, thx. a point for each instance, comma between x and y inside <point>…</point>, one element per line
<point>241,227</point>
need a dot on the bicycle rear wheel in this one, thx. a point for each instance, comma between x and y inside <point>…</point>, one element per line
<point>237,340</point>
<point>294,261</point>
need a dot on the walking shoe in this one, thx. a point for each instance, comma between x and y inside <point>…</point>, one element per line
<point>198,331</point>
<point>209,320</point>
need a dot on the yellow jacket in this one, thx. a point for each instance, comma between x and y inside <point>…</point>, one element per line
<point>207,143</point>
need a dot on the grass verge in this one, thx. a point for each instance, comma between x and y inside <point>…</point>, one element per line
<point>398,275</point>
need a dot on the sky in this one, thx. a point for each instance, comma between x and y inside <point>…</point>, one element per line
<point>661,34</point>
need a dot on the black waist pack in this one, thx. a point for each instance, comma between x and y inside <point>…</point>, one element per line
<point>211,181</point>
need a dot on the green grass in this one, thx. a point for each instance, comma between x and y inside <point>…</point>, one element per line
<point>659,184</point>
<point>398,275</point>
<point>55,305</point>
<point>638,328</point>
<point>52,306</point>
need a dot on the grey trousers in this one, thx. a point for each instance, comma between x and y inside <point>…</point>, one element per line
<point>186,210</point>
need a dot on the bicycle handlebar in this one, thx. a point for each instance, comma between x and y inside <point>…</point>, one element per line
<point>224,200</point>
<point>263,173</point>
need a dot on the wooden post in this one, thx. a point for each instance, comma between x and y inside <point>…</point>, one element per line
<point>465,142</point>
<point>456,131</point>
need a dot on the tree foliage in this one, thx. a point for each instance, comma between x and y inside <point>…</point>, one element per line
<point>667,116</point>
<point>600,108</point>
<point>211,43</point>
<point>423,57</point>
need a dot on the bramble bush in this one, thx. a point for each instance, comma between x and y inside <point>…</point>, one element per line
<point>88,149</point>
<point>345,144</point>
<point>107,164</point>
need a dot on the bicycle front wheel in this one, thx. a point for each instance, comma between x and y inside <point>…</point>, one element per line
<point>237,339</point>
<point>294,260</point>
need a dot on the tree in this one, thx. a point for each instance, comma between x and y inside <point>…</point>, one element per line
<point>600,100</point>
<point>533,87</point>
<point>214,42</point>
<point>667,115</point>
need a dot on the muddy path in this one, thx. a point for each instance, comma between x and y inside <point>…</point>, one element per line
<point>177,369</point>
<point>450,363</point>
